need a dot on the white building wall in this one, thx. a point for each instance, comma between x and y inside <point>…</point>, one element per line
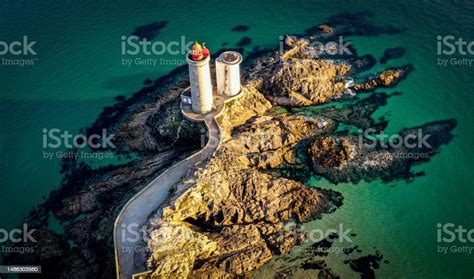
<point>220,77</point>
<point>228,76</point>
<point>201,86</point>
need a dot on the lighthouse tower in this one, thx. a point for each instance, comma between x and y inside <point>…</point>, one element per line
<point>228,73</point>
<point>200,79</point>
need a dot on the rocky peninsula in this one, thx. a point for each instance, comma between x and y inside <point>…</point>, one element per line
<point>229,215</point>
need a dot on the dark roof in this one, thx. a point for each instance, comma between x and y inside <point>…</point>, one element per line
<point>230,57</point>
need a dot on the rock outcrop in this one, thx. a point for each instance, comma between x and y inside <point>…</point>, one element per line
<point>231,212</point>
<point>388,78</point>
<point>303,82</point>
<point>227,216</point>
<point>252,104</point>
<point>329,152</point>
<point>296,78</point>
<point>326,28</point>
<point>353,158</point>
<point>158,126</point>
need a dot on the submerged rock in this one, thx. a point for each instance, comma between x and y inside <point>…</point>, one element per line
<point>392,53</point>
<point>354,158</point>
<point>366,265</point>
<point>52,253</point>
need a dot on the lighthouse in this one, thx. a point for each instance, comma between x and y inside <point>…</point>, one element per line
<point>228,73</point>
<point>200,79</point>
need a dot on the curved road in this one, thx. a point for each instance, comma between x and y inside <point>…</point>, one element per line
<point>129,259</point>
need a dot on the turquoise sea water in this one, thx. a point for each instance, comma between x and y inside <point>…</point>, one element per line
<point>79,71</point>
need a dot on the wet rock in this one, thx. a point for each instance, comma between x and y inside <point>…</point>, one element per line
<point>159,126</point>
<point>326,28</point>
<point>352,159</point>
<point>52,252</point>
<point>359,114</point>
<point>388,78</point>
<point>329,152</point>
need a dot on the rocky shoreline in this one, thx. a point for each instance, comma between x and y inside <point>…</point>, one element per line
<point>229,216</point>
<point>234,197</point>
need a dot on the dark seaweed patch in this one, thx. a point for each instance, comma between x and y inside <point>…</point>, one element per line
<point>366,265</point>
<point>240,28</point>
<point>392,53</point>
<point>245,41</point>
<point>150,31</point>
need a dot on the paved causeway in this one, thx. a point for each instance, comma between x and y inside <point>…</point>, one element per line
<point>130,254</point>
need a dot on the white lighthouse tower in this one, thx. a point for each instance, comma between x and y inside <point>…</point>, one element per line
<point>200,79</point>
<point>228,73</point>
